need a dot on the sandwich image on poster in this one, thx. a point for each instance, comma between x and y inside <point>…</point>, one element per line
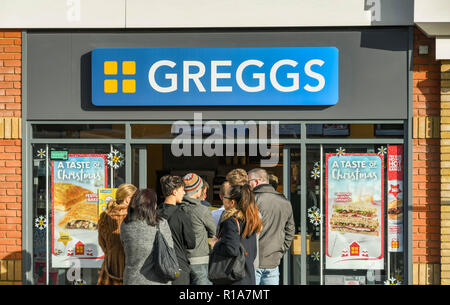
<point>395,210</point>
<point>354,211</point>
<point>359,218</point>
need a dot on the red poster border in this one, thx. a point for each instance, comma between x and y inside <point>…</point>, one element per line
<point>327,156</point>
<point>104,156</point>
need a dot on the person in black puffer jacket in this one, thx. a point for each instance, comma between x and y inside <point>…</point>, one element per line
<point>179,222</point>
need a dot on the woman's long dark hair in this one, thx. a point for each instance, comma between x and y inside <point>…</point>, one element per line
<point>143,207</point>
<point>246,203</point>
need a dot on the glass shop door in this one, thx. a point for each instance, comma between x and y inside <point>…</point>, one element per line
<point>66,184</point>
<point>349,236</point>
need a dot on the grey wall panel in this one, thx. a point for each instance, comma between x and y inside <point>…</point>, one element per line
<point>372,73</point>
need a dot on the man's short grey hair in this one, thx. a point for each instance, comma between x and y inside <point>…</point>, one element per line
<point>260,174</point>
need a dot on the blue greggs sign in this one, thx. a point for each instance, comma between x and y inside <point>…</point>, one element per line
<point>215,76</point>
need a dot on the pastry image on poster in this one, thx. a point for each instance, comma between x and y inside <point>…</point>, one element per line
<point>68,194</point>
<point>354,211</point>
<point>83,215</point>
<point>75,184</point>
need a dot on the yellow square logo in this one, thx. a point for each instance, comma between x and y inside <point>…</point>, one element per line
<point>110,85</point>
<point>129,67</point>
<point>110,67</point>
<point>129,86</point>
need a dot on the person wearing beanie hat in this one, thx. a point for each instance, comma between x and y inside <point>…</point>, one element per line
<point>203,226</point>
<point>192,184</point>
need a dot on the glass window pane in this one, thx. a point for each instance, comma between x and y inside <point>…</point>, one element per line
<point>389,130</point>
<point>71,253</point>
<point>288,131</point>
<point>79,131</point>
<point>152,131</point>
<point>295,199</point>
<point>40,223</point>
<point>314,215</point>
<point>354,131</point>
<point>247,130</point>
<point>361,243</point>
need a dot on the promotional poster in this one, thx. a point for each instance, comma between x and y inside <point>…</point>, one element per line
<point>354,211</point>
<point>395,198</point>
<point>105,195</point>
<point>75,210</point>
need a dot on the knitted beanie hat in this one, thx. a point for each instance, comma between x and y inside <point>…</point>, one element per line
<point>192,183</point>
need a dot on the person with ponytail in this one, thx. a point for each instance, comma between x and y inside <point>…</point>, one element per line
<point>240,207</point>
<point>111,271</point>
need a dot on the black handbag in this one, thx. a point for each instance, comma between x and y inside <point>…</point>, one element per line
<point>224,270</point>
<point>163,259</point>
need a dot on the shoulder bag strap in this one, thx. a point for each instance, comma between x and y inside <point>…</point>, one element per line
<point>239,227</point>
<point>240,237</point>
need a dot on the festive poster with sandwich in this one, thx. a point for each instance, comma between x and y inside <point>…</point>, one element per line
<point>395,198</point>
<point>354,211</point>
<point>75,210</point>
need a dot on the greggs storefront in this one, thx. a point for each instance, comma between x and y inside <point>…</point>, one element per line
<point>327,111</point>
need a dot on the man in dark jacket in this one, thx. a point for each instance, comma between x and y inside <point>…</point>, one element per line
<point>278,227</point>
<point>180,224</point>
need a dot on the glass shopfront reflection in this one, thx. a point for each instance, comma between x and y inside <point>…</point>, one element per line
<point>300,166</point>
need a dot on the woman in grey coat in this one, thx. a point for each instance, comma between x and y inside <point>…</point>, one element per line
<point>137,234</point>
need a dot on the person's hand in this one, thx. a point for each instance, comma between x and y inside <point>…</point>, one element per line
<point>213,241</point>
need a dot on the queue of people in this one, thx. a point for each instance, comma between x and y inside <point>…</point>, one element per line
<point>253,215</point>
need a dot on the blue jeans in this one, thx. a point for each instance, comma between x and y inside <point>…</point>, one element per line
<point>199,275</point>
<point>267,276</point>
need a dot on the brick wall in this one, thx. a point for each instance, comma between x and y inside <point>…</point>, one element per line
<point>10,157</point>
<point>426,163</point>
<point>445,172</point>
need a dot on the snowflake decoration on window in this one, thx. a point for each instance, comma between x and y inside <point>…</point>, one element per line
<point>314,215</point>
<point>340,151</point>
<point>40,222</point>
<point>315,174</point>
<point>315,256</point>
<point>115,159</point>
<point>392,281</point>
<point>398,274</point>
<point>317,165</point>
<point>79,282</point>
<point>41,153</point>
<point>382,150</point>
